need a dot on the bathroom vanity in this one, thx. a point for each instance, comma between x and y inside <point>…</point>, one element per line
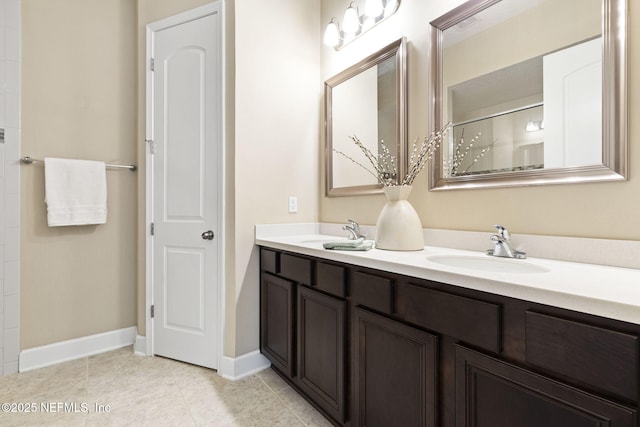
<point>384,338</point>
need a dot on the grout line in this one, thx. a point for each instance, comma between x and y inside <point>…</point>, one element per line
<point>184,399</point>
<point>186,403</point>
<point>282,400</point>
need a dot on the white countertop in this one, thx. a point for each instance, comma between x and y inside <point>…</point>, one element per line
<point>611,292</point>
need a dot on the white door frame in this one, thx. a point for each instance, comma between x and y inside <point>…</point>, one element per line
<point>208,9</point>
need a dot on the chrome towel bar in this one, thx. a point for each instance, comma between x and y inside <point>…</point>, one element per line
<point>29,160</point>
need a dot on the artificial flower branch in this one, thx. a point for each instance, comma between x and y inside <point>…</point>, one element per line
<point>384,165</point>
<point>454,163</point>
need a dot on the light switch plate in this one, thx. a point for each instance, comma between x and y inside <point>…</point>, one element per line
<point>293,204</point>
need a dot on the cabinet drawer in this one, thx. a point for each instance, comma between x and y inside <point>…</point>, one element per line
<point>469,320</point>
<point>268,261</point>
<point>602,358</point>
<point>330,278</point>
<point>296,268</point>
<point>372,291</point>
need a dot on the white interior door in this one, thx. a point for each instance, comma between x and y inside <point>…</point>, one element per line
<point>186,123</point>
<point>573,106</point>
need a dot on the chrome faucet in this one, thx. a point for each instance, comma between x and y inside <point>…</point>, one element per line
<point>354,230</point>
<point>503,246</point>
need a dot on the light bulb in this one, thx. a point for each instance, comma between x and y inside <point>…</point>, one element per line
<point>532,126</point>
<point>391,7</point>
<point>351,21</point>
<point>373,8</point>
<point>332,34</point>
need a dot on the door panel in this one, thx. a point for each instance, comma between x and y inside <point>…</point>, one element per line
<point>276,318</point>
<point>492,393</point>
<point>184,287</point>
<point>321,351</point>
<point>185,142</point>
<point>395,368</point>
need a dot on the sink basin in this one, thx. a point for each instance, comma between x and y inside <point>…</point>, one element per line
<point>487,263</point>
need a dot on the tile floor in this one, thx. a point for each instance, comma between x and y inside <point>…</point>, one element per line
<point>142,391</point>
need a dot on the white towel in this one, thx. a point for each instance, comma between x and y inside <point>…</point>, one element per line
<point>75,192</point>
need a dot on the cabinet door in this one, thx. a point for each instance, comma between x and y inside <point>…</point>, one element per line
<point>321,350</point>
<point>395,369</point>
<point>492,393</point>
<point>276,322</point>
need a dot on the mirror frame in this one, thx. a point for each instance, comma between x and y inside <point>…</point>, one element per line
<point>614,165</point>
<point>397,49</point>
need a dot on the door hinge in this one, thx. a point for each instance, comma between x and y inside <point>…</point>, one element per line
<point>152,64</point>
<point>152,145</point>
<point>152,229</point>
<point>153,311</point>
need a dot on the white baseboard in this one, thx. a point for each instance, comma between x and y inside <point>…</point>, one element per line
<point>236,368</point>
<point>140,346</point>
<point>47,355</point>
<point>231,368</point>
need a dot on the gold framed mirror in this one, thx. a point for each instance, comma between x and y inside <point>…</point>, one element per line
<point>367,100</point>
<point>535,91</point>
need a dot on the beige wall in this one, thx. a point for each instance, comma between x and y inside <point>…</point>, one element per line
<point>601,210</point>
<point>78,101</point>
<point>278,101</point>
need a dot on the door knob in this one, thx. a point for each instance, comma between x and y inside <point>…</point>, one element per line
<point>207,235</point>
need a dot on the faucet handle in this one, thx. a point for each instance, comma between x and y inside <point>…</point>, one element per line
<point>503,246</point>
<point>503,232</point>
<point>354,225</point>
<point>354,228</point>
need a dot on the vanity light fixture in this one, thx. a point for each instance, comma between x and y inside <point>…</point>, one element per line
<point>534,126</point>
<point>355,24</point>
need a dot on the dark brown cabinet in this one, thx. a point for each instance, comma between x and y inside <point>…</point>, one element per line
<point>374,348</point>
<point>276,318</point>
<point>596,357</point>
<point>321,350</point>
<point>493,393</point>
<point>303,330</point>
<point>394,373</point>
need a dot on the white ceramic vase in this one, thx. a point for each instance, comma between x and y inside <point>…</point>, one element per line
<point>399,227</point>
